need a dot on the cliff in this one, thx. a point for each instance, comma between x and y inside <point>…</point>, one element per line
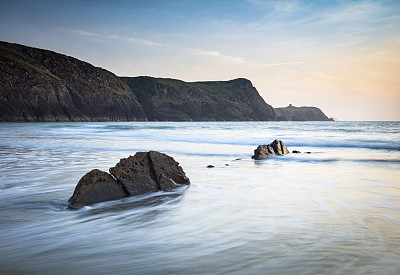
<point>292,113</point>
<point>40,85</point>
<point>175,100</point>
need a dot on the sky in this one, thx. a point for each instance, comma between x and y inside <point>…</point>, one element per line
<point>340,56</point>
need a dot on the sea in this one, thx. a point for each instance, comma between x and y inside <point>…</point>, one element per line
<point>334,208</point>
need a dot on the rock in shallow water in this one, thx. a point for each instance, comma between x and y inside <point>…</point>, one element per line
<point>96,186</point>
<point>134,173</point>
<point>275,148</point>
<point>167,172</point>
<point>144,172</point>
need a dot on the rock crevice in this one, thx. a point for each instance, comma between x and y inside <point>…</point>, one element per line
<point>153,171</point>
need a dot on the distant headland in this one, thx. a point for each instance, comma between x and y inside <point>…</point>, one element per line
<point>41,85</point>
<point>292,113</point>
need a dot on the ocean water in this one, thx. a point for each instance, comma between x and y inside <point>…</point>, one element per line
<point>334,211</point>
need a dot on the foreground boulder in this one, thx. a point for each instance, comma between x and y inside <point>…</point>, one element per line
<point>167,172</point>
<point>134,173</point>
<point>144,172</point>
<point>96,186</point>
<point>275,148</point>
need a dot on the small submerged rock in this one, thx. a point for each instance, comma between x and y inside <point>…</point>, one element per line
<point>275,148</point>
<point>144,172</point>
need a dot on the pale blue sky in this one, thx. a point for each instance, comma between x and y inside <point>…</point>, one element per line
<point>342,56</point>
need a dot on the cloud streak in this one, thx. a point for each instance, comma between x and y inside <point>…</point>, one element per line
<point>134,40</point>
<point>240,60</point>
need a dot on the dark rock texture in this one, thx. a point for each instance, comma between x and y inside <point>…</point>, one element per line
<point>41,85</point>
<point>135,174</point>
<point>144,172</point>
<point>167,172</point>
<point>278,147</point>
<point>292,113</point>
<point>275,148</point>
<point>175,100</point>
<point>96,186</point>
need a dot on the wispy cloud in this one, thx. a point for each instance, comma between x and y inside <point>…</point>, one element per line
<point>143,42</point>
<point>280,8</point>
<point>137,41</point>
<point>84,33</point>
<point>240,60</point>
<point>277,6</point>
<point>364,15</point>
<point>281,63</point>
<point>231,59</point>
<point>363,11</point>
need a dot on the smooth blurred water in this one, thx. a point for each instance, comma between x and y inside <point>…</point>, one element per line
<point>335,211</point>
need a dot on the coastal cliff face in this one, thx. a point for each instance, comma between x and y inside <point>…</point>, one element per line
<point>292,113</point>
<point>40,85</point>
<point>175,100</point>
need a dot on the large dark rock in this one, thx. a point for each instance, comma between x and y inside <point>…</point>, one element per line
<point>144,172</point>
<point>167,172</point>
<point>135,174</point>
<point>96,186</point>
<point>275,148</point>
<point>149,171</point>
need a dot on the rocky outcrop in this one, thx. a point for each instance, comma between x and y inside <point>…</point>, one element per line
<point>175,100</point>
<point>41,85</point>
<point>275,148</point>
<point>144,172</point>
<point>292,113</point>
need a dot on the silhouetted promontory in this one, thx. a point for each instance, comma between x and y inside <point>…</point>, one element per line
<point>293,113</point>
